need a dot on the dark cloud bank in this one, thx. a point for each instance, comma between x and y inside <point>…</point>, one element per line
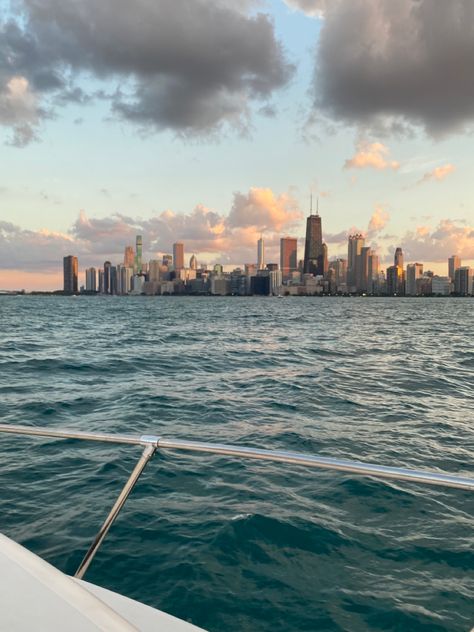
<point>388,65</point>
<point>194,65</point>
<point>184,65</point>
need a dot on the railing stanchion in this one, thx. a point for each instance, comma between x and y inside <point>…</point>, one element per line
<point>147,453</point>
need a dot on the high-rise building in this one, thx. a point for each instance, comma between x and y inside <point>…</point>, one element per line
<point>373,274</point>
<point>288,256</point>
<point>91,280</point>
<point>454,263</point>
<point>441,285</point>
<point>139,254</point>
<point>101,281</point>
<point>178,255</point>
<point>193,262</point>
<point>275,282</point>
<point>414,272</point>
<point>340,269</point>
<point>463,281</point>
<point>118,284</point>
<point>395,282</point>
<point>354,248</point>
<point>70,273</point>
<point>106,288</point>
<point>126,275</point>
<point>154,270</point>
<point>260,254</point>
<point>167,260</point>
<point>129,257</point>
<point>313,246</point>
<point>362,269</point>
<point>113,280</point>
<point>398,258</point>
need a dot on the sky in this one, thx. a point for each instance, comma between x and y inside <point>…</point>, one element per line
<point>203,122</point>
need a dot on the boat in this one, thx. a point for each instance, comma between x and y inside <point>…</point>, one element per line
<point>54,598</point>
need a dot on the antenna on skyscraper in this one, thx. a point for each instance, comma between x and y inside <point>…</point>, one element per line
<point>317,205</point>
<point>311,203</point>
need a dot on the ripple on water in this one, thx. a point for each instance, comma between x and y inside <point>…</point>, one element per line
<point>240,545</point>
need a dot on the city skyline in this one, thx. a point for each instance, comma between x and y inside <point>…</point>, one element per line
<point>360,273</point>
<point>312,254</point>
<point>96,148</point>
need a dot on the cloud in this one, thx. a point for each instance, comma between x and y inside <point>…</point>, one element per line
<point>391,66</point>
<point>189,66</point>
<point>263,210</point>
<point>314,8</point>
<point>229,238</point>
<point>437,244</point>
<point>437,174</point>
<point>18,109</point>
<point>378,220</point>
<point>373,155</point>
<point>30,250</point>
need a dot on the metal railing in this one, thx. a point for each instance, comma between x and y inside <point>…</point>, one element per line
<point>151,443</point>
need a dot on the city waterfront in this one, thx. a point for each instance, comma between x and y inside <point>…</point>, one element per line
<point>236,545</point>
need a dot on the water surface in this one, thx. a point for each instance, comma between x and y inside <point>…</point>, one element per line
<point>233,545</point>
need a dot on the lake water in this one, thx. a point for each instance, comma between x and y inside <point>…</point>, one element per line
<point>233,545</point>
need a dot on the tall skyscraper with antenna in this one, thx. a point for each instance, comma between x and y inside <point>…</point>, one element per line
<point>314,255</point>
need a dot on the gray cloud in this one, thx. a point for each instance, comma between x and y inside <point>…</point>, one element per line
<point>392,66</point>
<point>186,65</point>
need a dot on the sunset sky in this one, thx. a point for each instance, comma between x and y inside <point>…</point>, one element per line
<point>197,121</point>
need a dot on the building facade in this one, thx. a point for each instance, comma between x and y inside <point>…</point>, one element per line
<point>70,274</point>
<point>288,256</point>
<point>178,255</point>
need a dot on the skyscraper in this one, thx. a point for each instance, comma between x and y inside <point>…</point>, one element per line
<point>178,255</point>
<point>91,280</point>
<point>395,281</point>
<point>288,256</point>
<point>454,263</point>
<point>398,258</point>
<point>154,270</point>
<point>70,271</point>
<point>260,254</point>
<point>354,248</point>
<point>193,263</point>
<point>340,269</point>
<point>129,257</point>
<point>463,281</point>
<point>362,269</point>
<point>106,287</point>
<point>373,274</point>
<point>414,272</point>
<point>138,256</point>
<point>313,247</point>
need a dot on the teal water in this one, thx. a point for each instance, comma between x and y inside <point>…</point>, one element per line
<point>233,545</point>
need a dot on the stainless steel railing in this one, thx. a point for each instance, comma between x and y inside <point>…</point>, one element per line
<point>151,443</point>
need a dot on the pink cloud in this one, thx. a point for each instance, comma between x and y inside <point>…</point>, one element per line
<point>437,174</point>
<point>379,219</point>
<point>371,155</point>
<point>229,238</point>
<point>437,244</point>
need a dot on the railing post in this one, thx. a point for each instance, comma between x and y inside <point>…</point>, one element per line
<point>147,453</point>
